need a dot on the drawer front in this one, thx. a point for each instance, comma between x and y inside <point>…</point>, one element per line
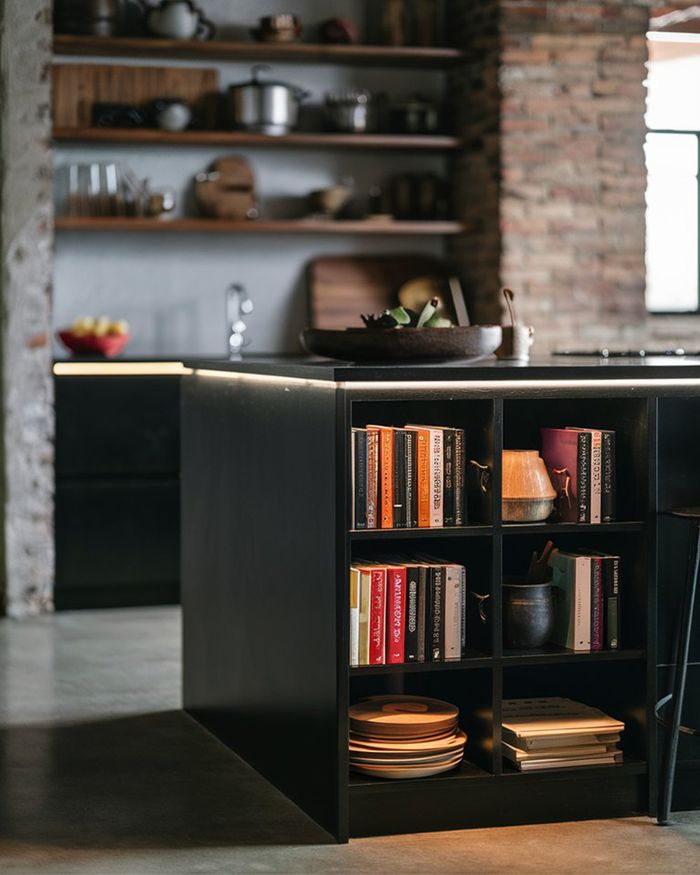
<point>123,534</point>
<point>114,426</point>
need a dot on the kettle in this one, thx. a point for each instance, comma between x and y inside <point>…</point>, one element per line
<point>179,19</point>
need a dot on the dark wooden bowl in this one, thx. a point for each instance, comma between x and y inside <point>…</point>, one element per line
<point>403,344</point>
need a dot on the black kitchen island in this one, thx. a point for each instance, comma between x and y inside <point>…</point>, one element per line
<point>267,541</point>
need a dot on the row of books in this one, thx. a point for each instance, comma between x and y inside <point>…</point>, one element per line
<point>412,611</point>
<point>557,733</point>
<point>411,477</point>
<point>581,464</point>
<point>587,600</point>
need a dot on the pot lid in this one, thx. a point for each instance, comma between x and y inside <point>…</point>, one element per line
<point>256,81</point>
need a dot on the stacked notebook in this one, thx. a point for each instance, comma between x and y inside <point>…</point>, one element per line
<point>554,733</point>
<point>405,737</point>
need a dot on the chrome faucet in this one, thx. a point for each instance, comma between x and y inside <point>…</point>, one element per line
<point>238,305</point>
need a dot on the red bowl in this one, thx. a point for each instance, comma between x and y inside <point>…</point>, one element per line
<point>109,345</point>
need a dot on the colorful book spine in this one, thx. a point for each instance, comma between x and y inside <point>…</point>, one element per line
<point>359,444</point>
<point>386,476</point>
<point>354,616</point>
<point>453,612</point>
<point>612,602</point>
<point>436,478</point>
<point>365,600</point>
<point>411,637</point>
<point>448,475</point>
<point>583,476</point>
<point>399,475</point>
<point>596,603</point>
<point>437,614</point>
<point>372,477</point>
<point>596,475</point>
<point>411,492</point>
<point>377,617</point>
<point>396,614</point>
<point>422,618</point>
<point>459,478</point>
<point>423,475</point>
<point>607,501</point>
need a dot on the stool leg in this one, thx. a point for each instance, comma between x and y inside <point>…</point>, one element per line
<point>685,623</point>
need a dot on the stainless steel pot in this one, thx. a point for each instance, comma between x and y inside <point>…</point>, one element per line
<point>265,107</point>
<point>351,112</point>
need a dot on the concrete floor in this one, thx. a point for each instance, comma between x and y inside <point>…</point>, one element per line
<point>101,774</point>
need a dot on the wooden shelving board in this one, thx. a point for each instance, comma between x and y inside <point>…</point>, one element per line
<point>221,50</point>
<point>241,139</point>
<point>219,226</point>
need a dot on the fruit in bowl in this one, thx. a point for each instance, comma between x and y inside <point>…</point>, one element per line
<point>90,336</point>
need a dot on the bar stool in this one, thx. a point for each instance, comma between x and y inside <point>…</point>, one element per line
<point>684,628</point>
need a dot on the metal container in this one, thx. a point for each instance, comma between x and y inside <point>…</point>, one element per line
<point>351,112</point>
<point>265,107</point>
<point>417,115</point>
<point>528,613</point>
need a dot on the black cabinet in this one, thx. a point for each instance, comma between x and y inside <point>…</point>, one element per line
<point>117,491</point>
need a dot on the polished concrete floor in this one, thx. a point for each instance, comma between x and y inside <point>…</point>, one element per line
<point>101,774</point>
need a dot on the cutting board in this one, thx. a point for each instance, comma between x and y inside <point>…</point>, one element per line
<point>341,287</point>
<point>76,87</point>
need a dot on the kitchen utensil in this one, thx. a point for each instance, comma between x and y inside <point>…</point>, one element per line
<point>269,107</point>
<point>510,304</point>
<point>538,570</point>
<point>227,189</point>
<point>88,17</point>
<point>340,287</point>
<point>527,492</point>
<point>171,114</point>
<point>339,31</point>
<point>528,613</point>
<point>178,19</point>
<point>404,344</point>
<point>118,115</point>
<point>352,112</point>
<point>282,28</point>
<point>329,201</point>
<point>517,341</point>
<point>160,202</point>
<point>458,304</point>
<point>418,196</point>
<point>416,115</point>
<point>109,345</point>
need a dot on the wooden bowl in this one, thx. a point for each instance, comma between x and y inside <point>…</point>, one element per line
<point>108,345</point>
<point>403,344</point>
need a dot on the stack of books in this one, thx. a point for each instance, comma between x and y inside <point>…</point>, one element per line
<point>411,611</point>
<point>405,737</point>
<point>581,464</point>
<point>411,477</point>
<point>587,600</point>
<point>554,733</point>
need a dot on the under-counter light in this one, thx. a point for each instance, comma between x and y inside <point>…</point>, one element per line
<point>510,385</point>
<point>119,369</point>
<point>264,378</point>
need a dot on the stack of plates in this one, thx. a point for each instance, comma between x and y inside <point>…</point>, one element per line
<point>405,737</point>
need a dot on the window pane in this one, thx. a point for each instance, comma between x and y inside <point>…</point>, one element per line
<point>672,222</point>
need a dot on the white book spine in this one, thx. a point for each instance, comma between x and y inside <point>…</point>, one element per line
<point>436,486</point>
<point>463,611</point>
<point>354,616</point>
<point>453,612</point>
<point>596,475</point>
<point>582,604</point>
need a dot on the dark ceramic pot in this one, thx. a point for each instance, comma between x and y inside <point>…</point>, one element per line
<point>528,614</point>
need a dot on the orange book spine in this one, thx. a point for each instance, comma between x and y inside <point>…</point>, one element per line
<point>423,477</point>
<point>386,464</point>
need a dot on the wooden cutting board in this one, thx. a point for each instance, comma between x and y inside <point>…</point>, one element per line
<point>342,287</point>
<point>76,87</point>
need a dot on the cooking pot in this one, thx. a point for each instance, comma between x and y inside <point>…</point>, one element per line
<point>266,107</point>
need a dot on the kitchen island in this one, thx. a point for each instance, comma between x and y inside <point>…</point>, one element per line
<point>267,541</point>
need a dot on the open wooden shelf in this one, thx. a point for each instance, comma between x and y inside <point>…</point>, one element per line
<point>221,226</point>
<point>472,659</point>
<point>288,53</point>
<point>571,528</point>
<point>391,534</point>
<point>242,139</point>
<point>551,654</point>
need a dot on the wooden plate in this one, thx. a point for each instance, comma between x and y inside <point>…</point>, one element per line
<point>404,344</point>
<point>401,748</point>
<point>404,772</point>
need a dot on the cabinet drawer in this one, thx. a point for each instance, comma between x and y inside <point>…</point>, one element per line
<point>115,426</point>
<point>117,534</point>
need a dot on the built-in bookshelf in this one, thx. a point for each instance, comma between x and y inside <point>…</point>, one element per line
<point>485,789</point>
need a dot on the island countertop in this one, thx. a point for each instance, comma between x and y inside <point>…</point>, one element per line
<point>669,369</point>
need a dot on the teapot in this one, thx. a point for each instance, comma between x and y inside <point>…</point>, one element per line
<point>178,19</point>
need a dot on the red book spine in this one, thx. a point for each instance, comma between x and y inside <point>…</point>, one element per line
<point>396,614</point>
<point>377,611</point>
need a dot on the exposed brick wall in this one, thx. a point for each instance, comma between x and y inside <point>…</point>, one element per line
<point>555,127</point>
<point>26,420</point>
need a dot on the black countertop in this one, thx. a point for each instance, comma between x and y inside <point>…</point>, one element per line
<point>569,368</point>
